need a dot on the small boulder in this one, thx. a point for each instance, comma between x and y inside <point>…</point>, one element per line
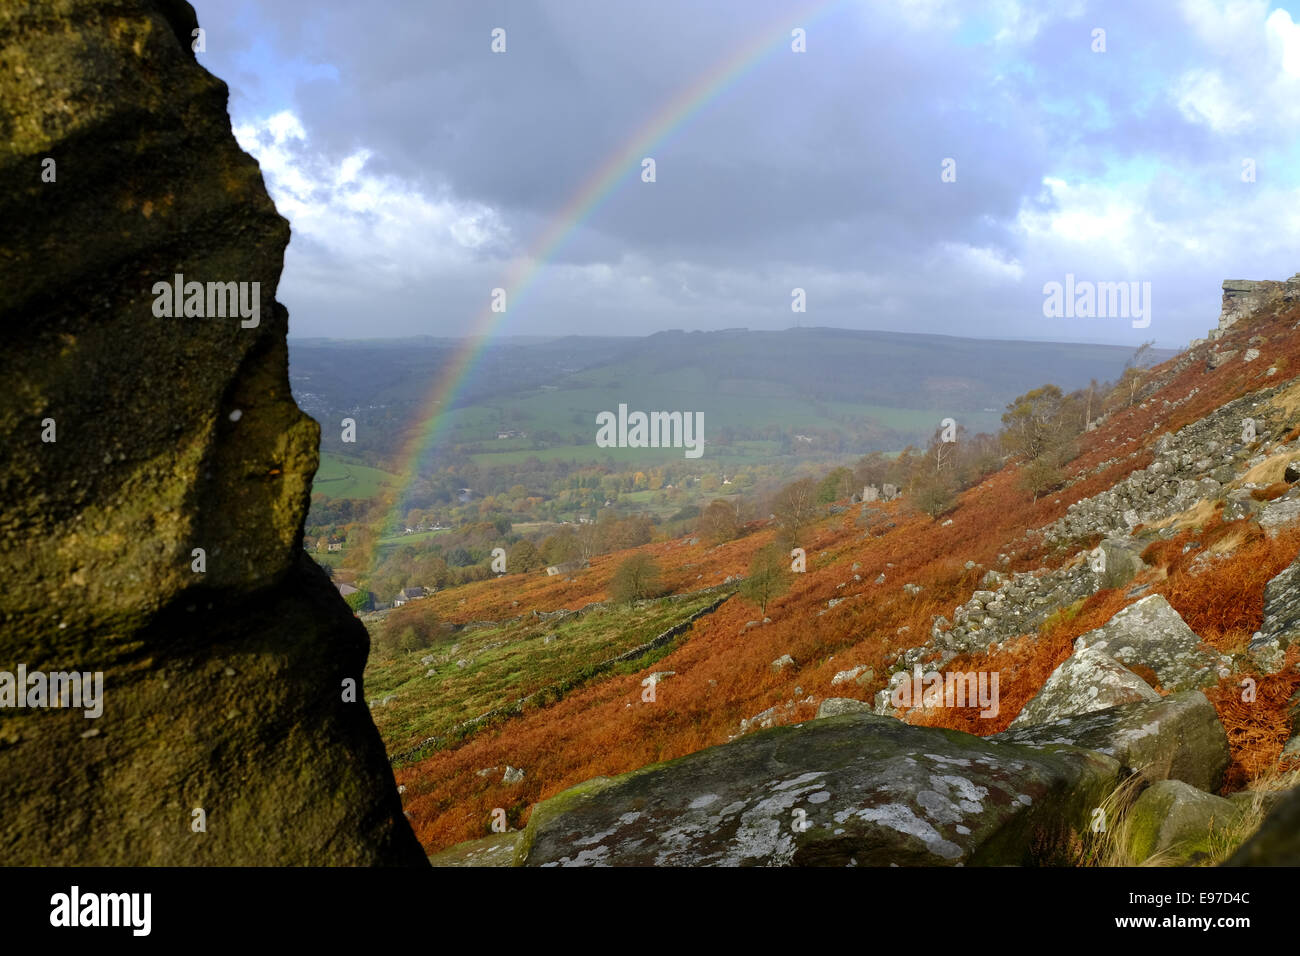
<point>1150,633</point>
<point>1121,562</point>
<point>1281,619</point>
<point>834,706</point>
<point>1177,821</point>
<point>1279,513</point>
<point>843,677</point>
<point>1087,680</point>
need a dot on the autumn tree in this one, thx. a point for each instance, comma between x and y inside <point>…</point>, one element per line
<point>795,506</point>
<point>934,493</point>
<point>1033,422</point>
<point>769,577</point>
<point>1041,475</point>
<point>636,579</point>
<point>872,469</point>
<point>718,522</point>
<point>1136,372</point>
<point>523,556</point>
<point>836,485</point>
<point>560,547</point>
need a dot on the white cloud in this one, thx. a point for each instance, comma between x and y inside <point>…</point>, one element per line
<point>1284,33</point>
<point>372,222</point>
<point>1204,97</point>
<point>1254,84</point>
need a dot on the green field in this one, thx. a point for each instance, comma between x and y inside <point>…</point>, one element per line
<point>569,412</point>
<point>395,539</point>
<point>338,478</point>
<point>503,664</point>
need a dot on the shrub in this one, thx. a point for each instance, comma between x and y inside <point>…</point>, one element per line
<point>768,578</point>
<point>934,495</point>
<point>719,523</point>
<point>635,579</point>
<point>795,505</point>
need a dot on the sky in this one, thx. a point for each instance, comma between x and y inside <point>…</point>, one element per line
<point>920,165</point>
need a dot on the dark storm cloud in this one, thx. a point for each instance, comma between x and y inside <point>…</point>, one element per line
<point>817,169</point>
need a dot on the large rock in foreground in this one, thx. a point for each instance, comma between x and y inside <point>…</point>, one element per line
<point>156,476</point>
<point>857,789</point>
<point>1178,737</point>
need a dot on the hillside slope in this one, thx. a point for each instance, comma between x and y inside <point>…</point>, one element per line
<point>884,585</point>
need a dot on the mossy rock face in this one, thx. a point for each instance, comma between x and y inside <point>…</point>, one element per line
<point>495,850</point>
<point>1277,842</point>
<point>222,689</point>
<point>1176,821</point>
<point>856,789</point>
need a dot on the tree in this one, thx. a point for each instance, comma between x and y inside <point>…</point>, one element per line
<point>718,523</point>
<point>872,469</point>
<point>522,556</point>
<point>838,484</point>
<point>795,505</point>
<point>769,577</point>
<point>934,494</point>
<point>635,579</point>
<point>1136,371</point>
<point>560,548</point>
<point>588,541</point>
<point>1041,474</point>
<point>1036,423</point>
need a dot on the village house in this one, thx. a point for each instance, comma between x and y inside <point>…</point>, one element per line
<point>406,595</point>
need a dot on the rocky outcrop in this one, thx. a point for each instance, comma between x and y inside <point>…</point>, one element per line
<point>1008,606</point>
<point>1178,737</point>
<point>495,850</point>
<point>1244,297</point>
<point>842,791</point>
<point>1189,465</point>
<point>156,476</point>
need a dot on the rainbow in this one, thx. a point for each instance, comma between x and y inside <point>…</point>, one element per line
<point>670,119</point>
